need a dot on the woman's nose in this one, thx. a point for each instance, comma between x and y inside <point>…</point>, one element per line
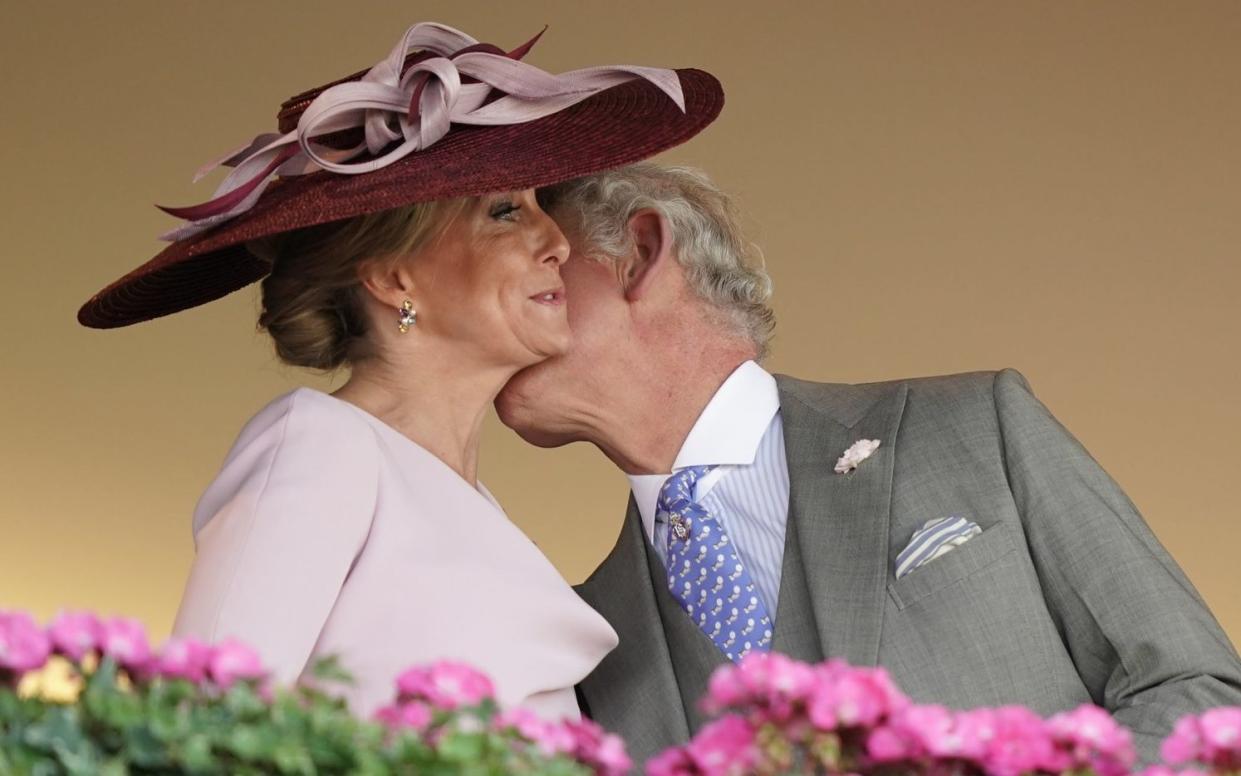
<point>556,246</point>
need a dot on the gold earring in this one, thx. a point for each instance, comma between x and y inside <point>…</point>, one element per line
<point>408,316</point>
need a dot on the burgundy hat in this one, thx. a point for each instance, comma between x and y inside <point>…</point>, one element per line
<point>443,116</point>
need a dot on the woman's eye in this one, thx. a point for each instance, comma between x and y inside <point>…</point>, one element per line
<point>505,210</point>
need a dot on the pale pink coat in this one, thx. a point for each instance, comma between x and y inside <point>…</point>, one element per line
<point>329,532</point>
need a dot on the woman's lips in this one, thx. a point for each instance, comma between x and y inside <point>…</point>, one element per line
<point>553,297</point>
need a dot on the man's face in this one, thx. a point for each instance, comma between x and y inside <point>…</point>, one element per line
<point>550,403</point>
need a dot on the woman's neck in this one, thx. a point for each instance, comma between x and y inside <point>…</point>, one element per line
<point>438,403</point>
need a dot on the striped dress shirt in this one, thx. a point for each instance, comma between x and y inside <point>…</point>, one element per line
<point>740,432</point>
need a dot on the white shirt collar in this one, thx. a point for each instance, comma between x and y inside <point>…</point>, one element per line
<point>727,432</point>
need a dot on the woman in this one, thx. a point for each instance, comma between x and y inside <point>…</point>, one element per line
<point>415,253</point>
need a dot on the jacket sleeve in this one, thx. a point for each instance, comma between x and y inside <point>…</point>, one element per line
<point>281,527</point>
<point>1144,643</point>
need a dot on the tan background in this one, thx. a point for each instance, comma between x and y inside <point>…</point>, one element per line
<point>938,187</point>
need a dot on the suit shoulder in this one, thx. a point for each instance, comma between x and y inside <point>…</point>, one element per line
<point>966,389</point>
<point>960,387</point>
<point>591,589</point>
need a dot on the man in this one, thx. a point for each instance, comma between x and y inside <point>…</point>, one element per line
<point>978,552</point>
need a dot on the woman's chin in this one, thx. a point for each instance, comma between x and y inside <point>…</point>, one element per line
<point>552,345</point>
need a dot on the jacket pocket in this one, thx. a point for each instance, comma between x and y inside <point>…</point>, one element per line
<point>978,553</point>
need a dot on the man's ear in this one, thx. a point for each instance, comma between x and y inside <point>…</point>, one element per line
<point>652,239</point>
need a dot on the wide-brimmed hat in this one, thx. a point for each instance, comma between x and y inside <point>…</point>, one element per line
<point>443,116</point>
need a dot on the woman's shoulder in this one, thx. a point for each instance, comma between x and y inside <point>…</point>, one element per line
<point>299,411</point>
<point>304,441</point>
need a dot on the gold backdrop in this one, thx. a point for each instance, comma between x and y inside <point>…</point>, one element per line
<point>937,187</point>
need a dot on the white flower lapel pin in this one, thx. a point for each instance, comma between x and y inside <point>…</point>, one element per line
<point>858,451</point>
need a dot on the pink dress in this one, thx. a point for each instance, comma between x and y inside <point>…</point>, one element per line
<point>329,532</point>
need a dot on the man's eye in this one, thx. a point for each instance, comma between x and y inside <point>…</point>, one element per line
<point>504,210</point>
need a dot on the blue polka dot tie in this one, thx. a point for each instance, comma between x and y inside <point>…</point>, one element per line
<point>705,574</point>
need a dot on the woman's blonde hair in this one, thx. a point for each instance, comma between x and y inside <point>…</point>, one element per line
<point>312,300</point>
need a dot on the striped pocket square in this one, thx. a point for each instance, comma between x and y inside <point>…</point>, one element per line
<point>934,539</point>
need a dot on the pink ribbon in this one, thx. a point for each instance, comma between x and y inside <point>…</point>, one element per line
<point>412,110</point>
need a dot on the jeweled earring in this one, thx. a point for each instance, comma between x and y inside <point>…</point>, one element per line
<point>408,316</point>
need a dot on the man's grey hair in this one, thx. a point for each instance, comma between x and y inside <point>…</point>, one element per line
<point>720,265</point>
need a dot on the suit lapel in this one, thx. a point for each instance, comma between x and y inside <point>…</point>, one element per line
<point>694,656</point>
<point>633,691</point>
<point>796,634</point>
<point>841,520</point>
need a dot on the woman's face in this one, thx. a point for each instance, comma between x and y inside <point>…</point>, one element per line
<point>489,284</point>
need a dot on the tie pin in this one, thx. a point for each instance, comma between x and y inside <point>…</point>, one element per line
<point>678,527</point>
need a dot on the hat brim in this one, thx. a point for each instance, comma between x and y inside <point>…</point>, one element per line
<point>624,124</point>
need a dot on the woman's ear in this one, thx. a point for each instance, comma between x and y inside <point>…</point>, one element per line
<point>652,239</point>
<point>389,282</point>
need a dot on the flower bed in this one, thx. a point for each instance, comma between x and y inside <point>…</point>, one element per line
<point>194,708</point>
<point>774,715</point>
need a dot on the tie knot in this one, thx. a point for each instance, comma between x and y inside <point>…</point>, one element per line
<point>678,490</point>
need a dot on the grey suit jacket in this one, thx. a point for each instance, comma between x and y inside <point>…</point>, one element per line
<point>1065,598</point>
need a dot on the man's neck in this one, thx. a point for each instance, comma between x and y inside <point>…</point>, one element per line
<point>646,436</point>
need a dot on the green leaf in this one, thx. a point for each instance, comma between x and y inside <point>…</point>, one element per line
<point>329,669</point>
<point>114,767</point>
<point>370,762</point>
<point>291,757</point>
<point>196,754</point>
<point>169,723</point>
<point>248,743</point>
<point>242,700</point>
<point>103,677</point>
<point>144,749</point>
<point>59,733</point>
<point>406,748</point>
<point>121,710</point>
<point>461,747</point>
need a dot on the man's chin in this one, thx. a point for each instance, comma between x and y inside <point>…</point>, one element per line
<point>523,407</point>
<point>524,425</point>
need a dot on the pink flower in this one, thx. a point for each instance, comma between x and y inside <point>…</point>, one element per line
<point>1163,770</point>
<point>584,740</point>
<point>610,757</point>
<point>974,730</point>
<point>602,751</point>
<point>551,738</point>
<point>266,690</point>
<point>75,634</point>
<point>773,684</point>
<point>1184,744</point>
<point>915,732</point>
<point>446,685</point>
<point>183,658</point>
<point>727,688</point>
<point>1221,737</point>
<point>1020,743</point>
<point>1088,738</point>
<point>24,646</point>
<point>231,661</point>
<point>725,747</point>
<point>887,744</point>
<point>125,641</point>
<point>389,715</point>
<point>413,714</point>
<point>853,697</point>
<point>673,762</point>
<point>947,735</point>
